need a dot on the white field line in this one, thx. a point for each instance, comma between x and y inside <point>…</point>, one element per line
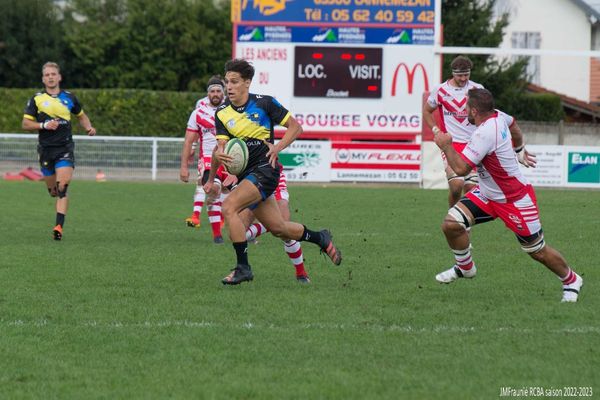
<point>406,329</point>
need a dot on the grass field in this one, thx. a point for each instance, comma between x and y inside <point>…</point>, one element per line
<point>130,303</point>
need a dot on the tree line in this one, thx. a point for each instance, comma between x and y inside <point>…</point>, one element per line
<point>176,45</point>
<point>142,44</point>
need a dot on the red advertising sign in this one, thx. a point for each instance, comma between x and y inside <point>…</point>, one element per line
<point>375,162</point>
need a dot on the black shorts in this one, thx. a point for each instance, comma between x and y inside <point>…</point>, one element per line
<point>265,178</point>
<point>56,157</point>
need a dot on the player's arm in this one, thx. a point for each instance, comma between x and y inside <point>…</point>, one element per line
<point>190,138</point>
<point>457,163</point>
<point>526,158</point>
<point>85,122</point>
<point>294,129</point>
<point>428,117</point>
<point>31,125</point>
<point>218,157</point>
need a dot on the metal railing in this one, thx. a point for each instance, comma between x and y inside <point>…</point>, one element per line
<point>118,157</point>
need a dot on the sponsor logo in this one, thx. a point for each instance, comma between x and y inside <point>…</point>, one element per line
<point>399,36</point>
<point>266,7</point>
<point>302,159</point>
<point>516,220</point>
<point>327,36</point>
<point>231,123</point>
<point>343,155</point>
<point>584,167</point>
<point>410,77</point>
<point>278,34</point>
<point>252,35</point>
<point>351,35</point>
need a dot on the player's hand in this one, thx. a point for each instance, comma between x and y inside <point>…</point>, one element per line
<point>184,175</point>
<point>230,180</point>
<point>526,158</point>
<point>51,124</point>
<point>436,131</point>
<point>272,154</point>
<point>208,186</point>
<point>223,158</point>
<point>443,140</point>
<point>91,131</point>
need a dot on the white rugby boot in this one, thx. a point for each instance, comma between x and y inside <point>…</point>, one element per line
<point>452,274</point>
<point>571,292</point>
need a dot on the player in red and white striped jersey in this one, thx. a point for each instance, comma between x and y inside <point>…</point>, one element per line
<point>292,247</point>
<point>503,192</point>
<point>201,130</point>
<point>450,100</point>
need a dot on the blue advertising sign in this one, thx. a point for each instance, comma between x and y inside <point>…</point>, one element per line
<point>413,13</point>
<point>350,35</point>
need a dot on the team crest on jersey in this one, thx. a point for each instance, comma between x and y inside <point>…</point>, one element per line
<point>46,104</point>
<point>231,123</point>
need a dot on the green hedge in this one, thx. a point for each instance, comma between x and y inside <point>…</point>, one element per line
<point>542,107</point>
<point>129,112</point>
<point>113,112</point>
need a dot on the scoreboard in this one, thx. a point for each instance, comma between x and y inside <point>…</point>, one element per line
<point>350,66</point>
<point>343,72</point>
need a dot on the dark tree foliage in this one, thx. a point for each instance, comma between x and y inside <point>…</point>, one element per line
<point>29,36</point>
<point>470,23</point>
<point>147,44</point>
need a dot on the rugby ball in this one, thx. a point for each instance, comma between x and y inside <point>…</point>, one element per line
<point>237,149</point>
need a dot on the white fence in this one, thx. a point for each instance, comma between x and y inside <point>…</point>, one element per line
<point>118,157</point>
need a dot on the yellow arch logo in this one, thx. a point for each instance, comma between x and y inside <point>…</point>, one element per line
<point>266,7</point>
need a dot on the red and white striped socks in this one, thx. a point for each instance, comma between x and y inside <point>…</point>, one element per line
<point>214,217</point>
<point>569,278</point>
<point>255,230</point>
<point>463,259</point>
<point>294,252</point>
<point>199,199</point>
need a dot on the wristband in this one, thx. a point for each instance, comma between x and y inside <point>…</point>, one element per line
<point>43,126</point>
<point>520,148</point>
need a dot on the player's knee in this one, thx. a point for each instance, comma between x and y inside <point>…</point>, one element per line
<point>227,209</point>
<point>456,220</point>
<point>61,189</point>
<point>536,249</point>
<point>278,230</point>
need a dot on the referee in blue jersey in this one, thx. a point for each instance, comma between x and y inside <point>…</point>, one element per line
<point>49,113</point>
<point>252,118</point>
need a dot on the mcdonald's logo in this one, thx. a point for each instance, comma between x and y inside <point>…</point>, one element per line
<point>410,77</point>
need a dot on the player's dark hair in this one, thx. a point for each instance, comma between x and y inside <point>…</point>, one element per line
<point>243,67</point>
<point>461,63</point>
<point>481,99</point>
<point>215,80</point>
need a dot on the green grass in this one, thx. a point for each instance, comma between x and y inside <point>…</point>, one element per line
<point>130,304</point>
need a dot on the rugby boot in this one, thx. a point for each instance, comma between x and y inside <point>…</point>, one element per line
<point>241,273</point>
<point>303,279</point>
<point>218,240</point>
<point>57,232</point>
<point>329,248</point>
<point>454,273</point>
<point>571,292</point>
<point>193,222</point>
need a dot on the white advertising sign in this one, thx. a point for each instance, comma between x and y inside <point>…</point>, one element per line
<point>375,162</point>
<point>307,161</point>
<point>398,76</point>
<point>550,168</point>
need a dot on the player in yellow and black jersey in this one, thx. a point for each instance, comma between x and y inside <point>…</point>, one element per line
<point>49,113</point>
<point>252,118</point>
